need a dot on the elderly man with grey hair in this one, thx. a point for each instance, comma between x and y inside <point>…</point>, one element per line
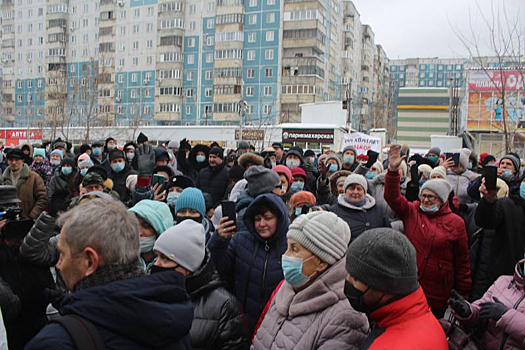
<point>111,299</point>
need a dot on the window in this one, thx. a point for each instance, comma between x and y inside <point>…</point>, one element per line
<point>270,2</point>
<point>268,54</point>
<point>191,42</point>
<point>253,3</point>
<point>121,79</point>
<point>191,59</point>
<point>208,92</point>
<point>209,24</point>
<point>135,61</point>
<point>267,109</point>
<point>209,57</point>
<point>136,28</point>
<point>189,92</point>
<point>268,72</point>
<point>270,17</point>
<point>269,36</point>
<point>188,109</point>
<point>189,76</point>
<point>252,37</point>
<point>267,91</point>
<point>209,40</point>
<point>208,75</point>
<point>136,13</point>
<point>251,55</point>
<point>192,25</point>
<point>134,77</point>
<point>135,45</point>
<point>150,11</point>
<point>149,27</point>
<point>250,91</point>
<point>250,73</point>
<point>149,44</point>
<point>252,19</point>
<point>174,23</point>
<point>192,9</point>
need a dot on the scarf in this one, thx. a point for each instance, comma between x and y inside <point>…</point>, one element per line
<point>109,273</point>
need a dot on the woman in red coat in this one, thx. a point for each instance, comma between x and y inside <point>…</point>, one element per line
<point>439,236</point>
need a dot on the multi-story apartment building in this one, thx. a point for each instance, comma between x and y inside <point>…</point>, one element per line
<point>428,72</point>
<point>174,62</point>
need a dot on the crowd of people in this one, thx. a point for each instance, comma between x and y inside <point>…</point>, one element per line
<point>191,246</point>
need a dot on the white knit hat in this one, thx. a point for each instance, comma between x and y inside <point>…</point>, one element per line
<point>378,166</point>
<point>323,233</point>
<point>356,179</point>
<point>425,169</point>
<point>184,244</point>
<point>439,171</point>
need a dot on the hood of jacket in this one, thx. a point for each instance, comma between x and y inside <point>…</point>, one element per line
<point>30,148</point>
<point>519,279</point>
<point>156,213</point>
<point>205,279</point>
<point>192,158</point>
<point>158,303</point>
<point>334,177</point>
<point>369,202</point>
<point>324,292</point>
<point>276,203</point>
<point>295,153</point>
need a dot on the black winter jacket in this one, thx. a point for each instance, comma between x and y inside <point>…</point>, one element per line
<point>61,191</point>
<point>507,217</point>
<point>39,245</point>
<point>190,167</point>
<point>119,182</point>
<point>250,263</point>
<point>214,181</point>
<point>28,282</point>
<point>218,321</point>
<point>371,215</point>
<point>148,312</point>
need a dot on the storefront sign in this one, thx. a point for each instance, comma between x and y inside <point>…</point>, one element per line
<point>496,80</point>
<point>362,142</point>
<point>14,137</point>
<point>250,135</point>
<point>308,135</point>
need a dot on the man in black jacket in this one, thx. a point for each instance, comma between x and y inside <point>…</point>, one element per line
<point>214,178</point>
<point>218,322</point>
<point>120,170</point>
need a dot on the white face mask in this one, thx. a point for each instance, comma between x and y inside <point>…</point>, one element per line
<point>292,163</point>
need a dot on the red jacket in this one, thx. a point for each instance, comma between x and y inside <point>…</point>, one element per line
<point>441,244</point>
<point>408,324</point>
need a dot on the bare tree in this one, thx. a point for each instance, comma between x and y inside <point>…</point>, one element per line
<point>503,39</point>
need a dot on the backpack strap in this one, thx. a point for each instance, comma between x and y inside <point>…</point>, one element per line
<point>84,333</point>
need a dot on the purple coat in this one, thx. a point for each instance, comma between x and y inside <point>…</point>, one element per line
<point>510,328</point>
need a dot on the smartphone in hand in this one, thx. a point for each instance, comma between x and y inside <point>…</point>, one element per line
<point>228,210</point>
<point>490,173</point>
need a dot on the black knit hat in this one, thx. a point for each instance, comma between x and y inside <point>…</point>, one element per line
<point>84,148</point>
<point>236,172</point>
<point>217,151</point>
<point>116,154</point>
<point>164,168</point>
<point>142,138</point>
<point>383,259</point>
<point>180,181</point>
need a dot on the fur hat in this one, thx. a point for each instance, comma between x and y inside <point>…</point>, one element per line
<point>250,158</point>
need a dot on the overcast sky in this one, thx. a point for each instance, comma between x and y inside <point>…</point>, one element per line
<point>420,28</point>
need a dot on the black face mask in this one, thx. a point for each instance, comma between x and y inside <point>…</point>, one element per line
<point>355,297</point>
<point>180,219</point>
<point>155,269</point>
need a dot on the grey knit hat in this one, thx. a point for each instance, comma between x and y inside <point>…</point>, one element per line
<point>184,244</point>
<point>435,150</point>
<point>356,179</point>
<point>350,148</point>
<point>440,187</point>
<point>383,259</point>
<point>515,161</point>
<point>323,233</point>
<point>261,180</point>
<point>173,144</point>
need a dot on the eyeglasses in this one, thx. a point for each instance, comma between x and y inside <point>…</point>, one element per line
<point>428,196</point>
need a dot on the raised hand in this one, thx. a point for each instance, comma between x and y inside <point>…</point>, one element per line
<point>145,159</point>
<point>394,157</point>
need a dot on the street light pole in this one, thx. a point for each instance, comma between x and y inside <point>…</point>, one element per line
<point>242,107</point>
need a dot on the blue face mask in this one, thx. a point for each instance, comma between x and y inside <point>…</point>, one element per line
<point>370,175</point>
<point>97,151</point>
<point>83,172</point>
<point>469,166</point>
<point>431,209</point>
<point>54,162</point>
<point>507,173</point>
<point>433,159</point>
<point>67,170</point>
<point>332,168</point>
<point>297,186</point>
<point>298,211</point>
<point>200,159</point>
<point>172,198</point>
<point>348,159</point>
<point>147,244</point>
<point>130,155</point>
<point>293,271</point>
<point>118,167</point>
<point>522,190</point>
